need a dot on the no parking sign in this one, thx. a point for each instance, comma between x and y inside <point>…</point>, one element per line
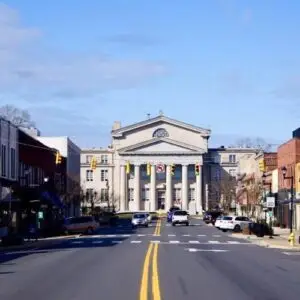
<point>160,168</point>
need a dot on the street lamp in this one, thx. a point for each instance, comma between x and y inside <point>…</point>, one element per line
<point>284,171</point>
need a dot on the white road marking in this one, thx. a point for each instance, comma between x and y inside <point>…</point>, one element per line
<point>194,242</point>
<point>233,242</point>
<point>216,235</point>
<point>205,250</point>
<point>111,235</point>
<point>291,253</point>
<point>186,235</point>
<point>201,235</point>
<point>141,235</point>
<point>168,225</point>
<point>213,242</point>
<point>77,242</point>
<point>126,235</point>
<point>171,234</point>
<point>135,242</point>
<point>174,242</point>
<point>197,224</point>
<point>97,242</point>
<point>117,242</point>
<point>155,241</point>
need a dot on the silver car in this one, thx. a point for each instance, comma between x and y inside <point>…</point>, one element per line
<point>140,219</point>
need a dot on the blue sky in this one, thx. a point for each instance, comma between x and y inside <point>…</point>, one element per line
<point>229,65</point>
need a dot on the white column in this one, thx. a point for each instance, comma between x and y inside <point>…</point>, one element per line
<point>168,188</point>
<point>122,188</point>
<point>137,187</point>
<point>199,192</point>
<point>153,202</point>
<point>206,197</point>
<point>184,186</point>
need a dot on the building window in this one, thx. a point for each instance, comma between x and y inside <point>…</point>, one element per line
<point>13,163</point>
<point>3,160</point>
<point>103,195</point>
<point>89,195</point>
<point>89,175</point>
<point>192,194</point>
<point>232,172</point>
<point>88,158</point>
<point>104,159</point>
<point>145,194</point>
<point>130,194</point>
<point>177,194</point>
<point>104,175</point>
<point>232,158</point>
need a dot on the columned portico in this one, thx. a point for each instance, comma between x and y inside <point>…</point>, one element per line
<point>184,187</point>
<point>168,188</point>
<point>153,203</point>
<point>123,188</point>
<point>137,187</point>
<point>199,192</point>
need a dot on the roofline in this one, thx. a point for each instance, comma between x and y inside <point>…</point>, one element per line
<point>97,150</point>
<point>252,150</point>
<point>119,131</point>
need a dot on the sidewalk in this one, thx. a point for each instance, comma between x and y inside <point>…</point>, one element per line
<point>42,242</point>
<point>279,240</point>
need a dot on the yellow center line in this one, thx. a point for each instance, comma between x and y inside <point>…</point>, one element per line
<point>155,277</point>
<point>145,275</point>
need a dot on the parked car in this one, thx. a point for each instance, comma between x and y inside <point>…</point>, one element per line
<point>83,224</point>
<point>180,217</point>
<point>140,219</point>
<point>211,216</point>
<point>219,221</point>
<point>170,213</point>
<point>235,223</point>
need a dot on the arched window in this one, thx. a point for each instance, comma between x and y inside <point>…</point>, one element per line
<point>160,133</point>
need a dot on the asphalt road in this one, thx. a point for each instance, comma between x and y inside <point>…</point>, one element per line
<point>159,262</point>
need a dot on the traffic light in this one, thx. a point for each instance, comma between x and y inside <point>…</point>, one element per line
<point>173,169</point>
<point>261,165</point>
<point>197,169</point>
<point>148,169</point>
<point>127,168</point>
<point>93,163</point>
<point>57,158</point>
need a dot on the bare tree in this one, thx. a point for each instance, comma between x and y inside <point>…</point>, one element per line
<point>254,196</point>
<point>257,143</point>
<point>16,116</point>
<point>225,188</point>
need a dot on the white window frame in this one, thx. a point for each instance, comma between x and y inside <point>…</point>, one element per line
<point>104,159</point>
<point>88,158</point>
<point>192,194</point>
<point>89,175</point>
<point>232,158</point>
<point>104,175</point>
<point>146,194</point>
<point>130,194</point>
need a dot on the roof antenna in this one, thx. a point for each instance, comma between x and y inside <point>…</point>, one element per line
<point>148,116</point>
<point>161,113</point>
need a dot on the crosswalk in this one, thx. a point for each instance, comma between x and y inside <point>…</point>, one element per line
<point>171,242</point>
<point>146,235</point>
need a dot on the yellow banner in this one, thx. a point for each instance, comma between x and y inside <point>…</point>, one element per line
<point>297,177</point>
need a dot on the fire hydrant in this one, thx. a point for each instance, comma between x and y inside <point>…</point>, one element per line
<point>292,239</point>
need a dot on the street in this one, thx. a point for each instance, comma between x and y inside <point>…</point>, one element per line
<point>159,262</point>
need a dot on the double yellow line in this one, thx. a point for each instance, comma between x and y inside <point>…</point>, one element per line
<point>152,250</point>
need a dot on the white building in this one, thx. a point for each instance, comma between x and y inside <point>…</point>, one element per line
<point>160,142</point>
<point>71,152</point>
<point>96,184</point>
<point>9,158</point>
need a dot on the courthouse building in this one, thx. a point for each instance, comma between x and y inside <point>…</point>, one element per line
<point>155,164</point>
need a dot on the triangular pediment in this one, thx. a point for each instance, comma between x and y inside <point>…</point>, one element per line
<point>161,146</point>
<point>160,120</point>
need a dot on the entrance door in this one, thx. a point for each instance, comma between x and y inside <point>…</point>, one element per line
<point>161,196</point>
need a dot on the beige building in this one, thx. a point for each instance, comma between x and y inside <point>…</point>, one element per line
<point>154,165</point>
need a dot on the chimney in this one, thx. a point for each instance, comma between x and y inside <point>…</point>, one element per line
<point>296,133</point>
<point>116,125</point>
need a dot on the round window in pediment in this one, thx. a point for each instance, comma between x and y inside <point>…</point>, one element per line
<point>160,133</point>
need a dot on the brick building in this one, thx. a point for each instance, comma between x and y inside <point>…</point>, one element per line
<point>289,157</point>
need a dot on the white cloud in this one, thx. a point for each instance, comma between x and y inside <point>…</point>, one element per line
<point>24,72</point>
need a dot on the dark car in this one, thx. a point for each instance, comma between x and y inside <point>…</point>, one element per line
<point>211,216</point>
<point>170,213</point>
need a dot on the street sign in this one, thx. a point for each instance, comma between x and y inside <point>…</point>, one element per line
<point>160,168</point>
<point>40,215</point>
<point>270,202</point>
<point>270,213</point>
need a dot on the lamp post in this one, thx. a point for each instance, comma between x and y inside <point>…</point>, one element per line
<point>284,171</point>
<point>269,184</point>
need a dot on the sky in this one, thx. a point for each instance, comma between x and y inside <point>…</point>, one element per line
<point>232,66</point>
